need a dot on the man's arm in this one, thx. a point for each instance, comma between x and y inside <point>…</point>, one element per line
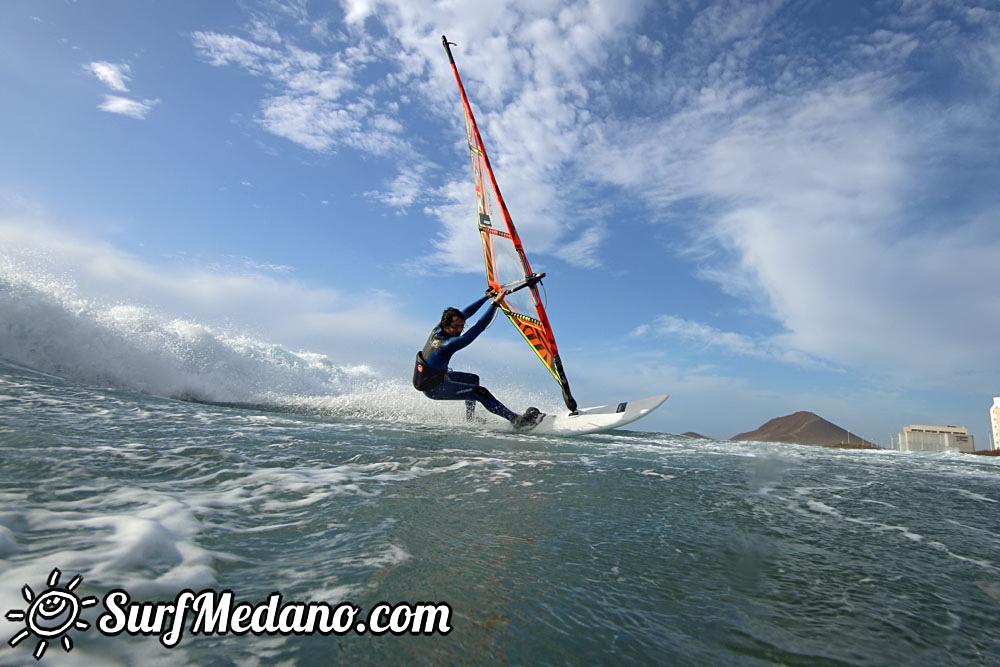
<point>471,309</point>
<point>453,345</point>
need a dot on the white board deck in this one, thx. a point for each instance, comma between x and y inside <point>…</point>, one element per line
<point>601,418</point>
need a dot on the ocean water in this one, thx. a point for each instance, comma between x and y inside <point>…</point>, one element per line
<point>330,485</point>
<point>624,547</point>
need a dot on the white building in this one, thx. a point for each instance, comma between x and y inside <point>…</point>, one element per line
<point>917,438</point>
<point>995,421</point>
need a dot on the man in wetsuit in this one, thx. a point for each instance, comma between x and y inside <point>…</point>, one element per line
<point>432,376</point>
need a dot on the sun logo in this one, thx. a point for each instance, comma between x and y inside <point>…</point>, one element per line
<point>51,614</point>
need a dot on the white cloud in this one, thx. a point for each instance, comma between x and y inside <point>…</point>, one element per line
<point>309,121</point>
<point>116,78</point>
<point>319,104</point>
<point>819,229</point>
<point>669,325</point>
<point>222,50</point>
<point>356,11</point>
<point>127,107</point>
<point>457,248</point>
<point>728,341</point>
<point>404,190</point>
<point>584,249</point>
<point>825,196</point>
<point>113,76</point>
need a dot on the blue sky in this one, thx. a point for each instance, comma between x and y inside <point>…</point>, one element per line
<point>757,207</point>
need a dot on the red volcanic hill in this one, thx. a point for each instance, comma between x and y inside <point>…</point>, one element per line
<point>805,428</point>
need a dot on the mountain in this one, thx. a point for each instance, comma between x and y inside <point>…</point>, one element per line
<point>805,428</point>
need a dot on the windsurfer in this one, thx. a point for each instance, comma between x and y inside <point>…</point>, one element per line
<point>432,376</point>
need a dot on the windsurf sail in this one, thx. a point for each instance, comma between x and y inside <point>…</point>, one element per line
<point>507,266</point>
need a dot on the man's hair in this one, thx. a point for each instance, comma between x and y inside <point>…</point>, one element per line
<point>448,315</point>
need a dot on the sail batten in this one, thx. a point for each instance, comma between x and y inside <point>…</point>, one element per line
<point>507,265</point>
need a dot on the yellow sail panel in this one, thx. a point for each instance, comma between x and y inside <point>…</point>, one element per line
<point>535,334</point>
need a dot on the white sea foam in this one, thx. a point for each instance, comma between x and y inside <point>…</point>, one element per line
<point>974,496</point>
<point>50,328</point>
<point>150,550</point>
<point>8,545</point>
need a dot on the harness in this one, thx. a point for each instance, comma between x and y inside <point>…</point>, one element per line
<point>426,378</point>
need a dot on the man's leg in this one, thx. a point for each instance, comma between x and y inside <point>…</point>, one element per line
<point>490,402</point>
<point>451,390</point>
<point>467,378</point>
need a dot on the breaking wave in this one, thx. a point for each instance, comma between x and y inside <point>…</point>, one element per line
<point>47,326</point>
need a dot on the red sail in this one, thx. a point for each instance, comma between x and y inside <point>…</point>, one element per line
<point>507,266</point>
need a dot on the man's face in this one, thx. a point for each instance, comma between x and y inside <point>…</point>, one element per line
<point>455,327</point>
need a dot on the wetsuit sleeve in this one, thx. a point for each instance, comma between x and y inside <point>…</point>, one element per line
<point>453,345</point>
<point>471,309</point>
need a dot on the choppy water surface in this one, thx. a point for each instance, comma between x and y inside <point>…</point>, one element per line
<point>630,546</point>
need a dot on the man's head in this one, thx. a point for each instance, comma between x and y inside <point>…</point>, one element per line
<point>452,321</point>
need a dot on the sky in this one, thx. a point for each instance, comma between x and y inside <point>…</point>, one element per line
<point>756,207</point>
